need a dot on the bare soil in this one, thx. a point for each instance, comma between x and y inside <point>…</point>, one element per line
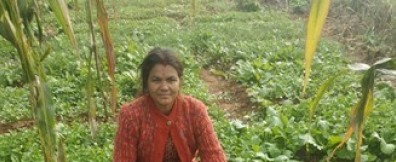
<point>230,96</point>
<point>29,123</point>
<point>7,127</point>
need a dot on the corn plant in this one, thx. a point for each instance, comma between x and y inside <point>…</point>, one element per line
<point>108,45</point>
<point>103,22</point>
<point>89,84</point>
<point>14,20</point>
<point>364,106</point>
<point>362,109</point>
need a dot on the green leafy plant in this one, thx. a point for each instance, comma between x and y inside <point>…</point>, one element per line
<point>248,5</point>
<point>261,50</point>
<point>299,6</point>
<point>362,110</point>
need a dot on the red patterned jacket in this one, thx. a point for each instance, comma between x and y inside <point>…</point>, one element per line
<point>143,130</point>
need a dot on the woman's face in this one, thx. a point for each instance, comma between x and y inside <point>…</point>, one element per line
<point>163,86</point>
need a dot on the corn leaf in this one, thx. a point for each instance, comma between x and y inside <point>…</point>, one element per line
<point>90,85</point>
<point>60,9</point>
<point>319,94</point>
<point>7,29</point>
<point>40,98</point>
<point>103,21</point>
<point>38,22</point>
<point>45,119</point>
<point>316,20</point>
<point>26,10</point>
<point>360,113</point>
<point>386,63</point>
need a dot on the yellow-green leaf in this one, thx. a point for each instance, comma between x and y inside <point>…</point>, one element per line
<point>360,112</point>
<point>316,20</point>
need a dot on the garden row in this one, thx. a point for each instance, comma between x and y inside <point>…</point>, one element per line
<point>261,50</point>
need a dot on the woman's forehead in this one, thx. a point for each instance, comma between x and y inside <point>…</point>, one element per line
<point>163,70</point>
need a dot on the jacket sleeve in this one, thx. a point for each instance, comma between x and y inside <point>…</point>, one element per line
<point>126,138</point>
<point>208,145</point>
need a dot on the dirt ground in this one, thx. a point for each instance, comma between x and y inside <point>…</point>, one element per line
<point>7,127</point>
<point>231,96</point>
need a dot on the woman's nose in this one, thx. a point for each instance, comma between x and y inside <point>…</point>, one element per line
<point>164,86</point>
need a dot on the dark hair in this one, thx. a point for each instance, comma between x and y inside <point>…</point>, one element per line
<point>156,56</point>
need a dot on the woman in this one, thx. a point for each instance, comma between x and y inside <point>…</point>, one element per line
<point>162,124</point>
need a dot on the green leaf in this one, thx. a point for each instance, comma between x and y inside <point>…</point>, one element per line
<point>332,140</point>
<point>308,139</point>
<point>61,12</point>
<point>256,148</point>
<point>360,113</point>
<point>218,73</point>
<point>263,156</point>
<point>319,94</point>
<point>273,149</point>
<point>282,158</point>
<point>284,119</point>
<point>387,148</point>
<point>386,63</point>
<point>7,29</point>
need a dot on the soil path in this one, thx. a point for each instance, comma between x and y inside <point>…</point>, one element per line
<point>6,128</point>
<point>29,123</point>
<point>230,96</point>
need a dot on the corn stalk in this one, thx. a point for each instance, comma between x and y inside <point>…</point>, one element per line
<point>15,16</point>
<point>103,22</point>
<point>40,98</point>
<point>90,86</point>
<point>110,57</point>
